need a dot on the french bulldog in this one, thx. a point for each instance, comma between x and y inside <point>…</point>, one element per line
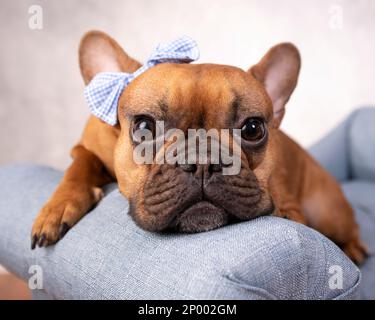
<point>277,177</point>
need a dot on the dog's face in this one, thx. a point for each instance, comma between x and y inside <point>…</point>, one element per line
<point>197,197</point>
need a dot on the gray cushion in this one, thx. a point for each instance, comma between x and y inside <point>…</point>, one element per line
<point>361,196</point>
<point>362,144</point>
<point>107,256</point>
<point>348,152</point>
<point>332,151</point>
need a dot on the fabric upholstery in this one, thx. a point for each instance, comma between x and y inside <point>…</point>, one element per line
<point>107,256</point>
<point>362,144</point>
<point>348,152</point>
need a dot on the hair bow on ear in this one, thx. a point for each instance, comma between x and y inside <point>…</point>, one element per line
<point>104,90</point>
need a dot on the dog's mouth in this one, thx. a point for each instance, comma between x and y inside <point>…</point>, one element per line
<point>199,217</point>
<point>172,201</point>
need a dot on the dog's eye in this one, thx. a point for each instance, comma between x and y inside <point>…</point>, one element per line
<point>143,129</point>
<point>253,130</point>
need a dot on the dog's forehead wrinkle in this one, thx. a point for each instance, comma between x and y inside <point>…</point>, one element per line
<point>234,107</point>
<point>147,110</point>
<point>197,95</point>
<point>162,103</point>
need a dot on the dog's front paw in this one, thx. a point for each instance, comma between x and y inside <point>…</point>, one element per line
<point>60,213</point>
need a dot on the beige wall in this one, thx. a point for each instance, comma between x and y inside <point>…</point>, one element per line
<point>42,110</point>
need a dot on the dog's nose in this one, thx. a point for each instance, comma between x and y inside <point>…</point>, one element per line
<point>188,167</point>
<point>201,170</point>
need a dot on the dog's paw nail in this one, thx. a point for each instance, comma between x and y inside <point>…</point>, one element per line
<point>64,228</point>
<point>41,240</point>
<point>33,242</point>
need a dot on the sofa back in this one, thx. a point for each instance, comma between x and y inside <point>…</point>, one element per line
<point>361,144</point>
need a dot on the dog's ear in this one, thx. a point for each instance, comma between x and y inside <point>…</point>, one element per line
<point>278,71</point>
<point>98,52</point>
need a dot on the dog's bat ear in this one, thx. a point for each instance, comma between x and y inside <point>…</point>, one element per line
<point>278,71</point>
<point>98,52</point>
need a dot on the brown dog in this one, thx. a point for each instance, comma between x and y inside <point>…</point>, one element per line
<point>277,176</point>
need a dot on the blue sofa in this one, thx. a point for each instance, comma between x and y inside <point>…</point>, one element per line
<point>106,256</point>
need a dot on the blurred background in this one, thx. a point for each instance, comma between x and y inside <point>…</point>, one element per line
<point>42,110</point>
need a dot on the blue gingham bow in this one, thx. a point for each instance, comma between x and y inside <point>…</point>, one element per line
<point>104,90</point>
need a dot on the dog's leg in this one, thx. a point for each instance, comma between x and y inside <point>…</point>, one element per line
<point>78,192</point>
<point>337,223</point>
<point>287,206</point>
<point>292,212</point>
<point>327,210</point>
<point>355,248</point>
<point>347,238</point>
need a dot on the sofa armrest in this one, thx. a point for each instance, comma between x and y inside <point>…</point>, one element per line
<point>362,144</point>
<point>106,256</point>
<point>347,150</point>
<point>332,151</point>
